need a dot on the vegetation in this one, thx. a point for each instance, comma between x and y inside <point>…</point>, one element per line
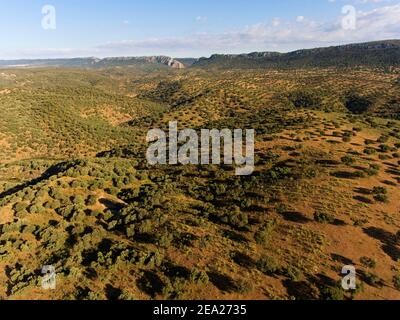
<point>76,192</point>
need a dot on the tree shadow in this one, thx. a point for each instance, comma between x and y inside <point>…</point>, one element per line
<point>81,293</point>
<point>150,283</point>
<point>91,255</point>
<point>341,259</point>
<point>52,171</point>
<point>242,260</point>
<point>390,183</point>
<point>343,175</point>
<point>363,199</point>
<point>234,236</point>
<point>393,172</point>
<point>370,279</point>
<point>223,282</point>
<point>300,290</point>
<point>388,240</point>
<point>363,191</point>
<point>295,217</point>
<point>91,273</point>
<point>173,271</point>
<point>339,223</point>
<point>185,239</point>
<point>112,293</point>
<point>111,205</point>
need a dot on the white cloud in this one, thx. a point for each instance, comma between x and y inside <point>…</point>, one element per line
<point>277,35</point>
<point>300,19</point>
<point>377,24</point>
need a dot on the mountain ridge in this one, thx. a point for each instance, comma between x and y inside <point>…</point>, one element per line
<point>385,53</point>
<point>93,62</point>
<point>376,54</point>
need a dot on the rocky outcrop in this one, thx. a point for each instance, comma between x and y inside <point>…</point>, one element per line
<point>170,62</point>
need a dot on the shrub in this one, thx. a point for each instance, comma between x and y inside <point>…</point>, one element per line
<point>91,200</point>
<point>396,282</point>
<point>265,231</point>
<point>292,273</point>
<point>36,209</point>
<point>239,220</point>
<point>337,134</point>
<point>368,262</point>
<point>323,217</point>
<point>52,204</point>
<point>348,160</point>
<point>369,141</point>
<point>384,157</point>
<point>332,293</point>
<point>383,139</point>
<point>267,265</point>
<point>369,151</point>
<point>244,286</point>
<point>384,148</point>
<point>20,207</point>
<point>164,239</point>
<point>358,174</point>
<point>130,231</point>
<point>375,167</point>
<point>66,212</point>
<point>371,171</point>
<point>199,277</point>
<point>78,200</point>
<point>305,99</point>
<point>381,198</point>
<point>175,289</point>
<point>379,190</point>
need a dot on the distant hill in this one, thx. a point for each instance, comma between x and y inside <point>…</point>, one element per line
<point>373,54</point>
<point>92,62</point>
<point>75,62</point>
<point>122,61</point>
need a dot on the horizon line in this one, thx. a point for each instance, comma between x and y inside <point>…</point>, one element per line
<point>200,57</point>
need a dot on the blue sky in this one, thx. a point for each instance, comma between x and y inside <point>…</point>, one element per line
<point>183,28</point>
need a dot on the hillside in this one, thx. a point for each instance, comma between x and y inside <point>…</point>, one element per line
<point>372,54</point>
<point>77,193</point>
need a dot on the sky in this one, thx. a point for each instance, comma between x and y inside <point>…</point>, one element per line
<point>187,28</point>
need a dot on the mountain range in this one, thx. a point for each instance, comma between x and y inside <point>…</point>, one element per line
<point>93,62</point>
<point>384,53</point>
<point>373,54</point>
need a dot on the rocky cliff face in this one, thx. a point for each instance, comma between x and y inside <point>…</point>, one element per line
<point>119,61</point>
<point>167,61</point>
